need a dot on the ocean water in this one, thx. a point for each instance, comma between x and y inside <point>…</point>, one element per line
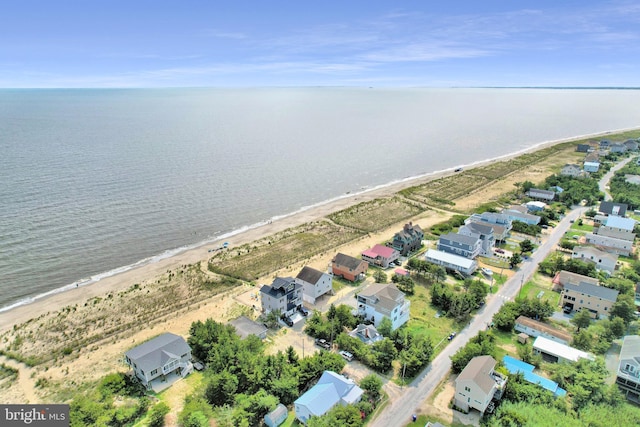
<point>93,182</point>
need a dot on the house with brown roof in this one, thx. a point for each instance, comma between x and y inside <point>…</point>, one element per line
<point>314,284</point>
<point>409,239</point>
<point>380,255</point>
<point>382,300</point>
<point>349,268</point>
<point>533,328</point>
<point>478,384</point>
<point>568,278</point>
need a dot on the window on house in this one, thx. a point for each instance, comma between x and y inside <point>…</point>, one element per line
<point>467,389</point>
<point>155,371</point>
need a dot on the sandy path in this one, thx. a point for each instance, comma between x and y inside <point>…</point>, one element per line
<point>24,389</point>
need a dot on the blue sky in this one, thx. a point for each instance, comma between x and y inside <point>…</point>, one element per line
<point>115,43</point>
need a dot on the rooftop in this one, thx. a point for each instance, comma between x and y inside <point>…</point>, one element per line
<point>479,370</point>
<point>620,222</point>
<point>543,327</point>
<point>594,290</point>
<point>155,352</point>
<point>560,350</point>
<point>347,261</point>
<point>309,275</point>
<point>245,327</point>
<point>460,238</point>
<point>449,258</point>
<point>379,250</point>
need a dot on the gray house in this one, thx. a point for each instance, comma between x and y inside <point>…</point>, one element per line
<point>159,357</point>
<point>612,208</point>
<point>283,294</point>
<point>314,284</point>
<point>409,239</point>
<point>537,193</point>
<point>628,376</point>
<point>482,232</point>
<point>459,244</point>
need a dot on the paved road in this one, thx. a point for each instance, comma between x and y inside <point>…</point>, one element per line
<point>604,182</point>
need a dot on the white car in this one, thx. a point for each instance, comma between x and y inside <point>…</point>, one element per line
<point>348,356</point>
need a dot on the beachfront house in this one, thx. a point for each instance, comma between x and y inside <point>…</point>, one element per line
<point>515,215</point>
<point>163,356</point>
<point>540,194</point>
<point>628,375</point>
<point>451,262</point>
<point>554,352</point>
<point>618,147</point>
<point>571,169</point>
<point>461,245</point>
<point>283,294</point>
<point>381,256</point>
<point>597,299</point>
<point>583,148</point>
<point>535,206</point>
<point>631,144</point>
<point>603,260</point>
<point>348,267</point>
<point>478,384</point>
<point>500,232</point>
<point>484,232</point>
<point>613,208</point>
<point>382,300</point>
<point>610,244</point>
<point>408,240</point>
<point>533,328</point>
<point>591,167</point>
<point>331,389</point>
<point>617,227</point>
<point>314,284</point>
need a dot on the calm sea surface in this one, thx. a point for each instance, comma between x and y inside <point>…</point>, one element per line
<point>94,181</point>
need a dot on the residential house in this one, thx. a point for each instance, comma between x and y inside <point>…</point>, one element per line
<point>597,299</point>
<point>368,334</point>
<point>603,260</point>
<point>382,256</point>
<point>277,416</point>
<point>613,208</point>
<point>571,169</point>
<point>459,244</point>
<point>610,244</point>
<point>599,219</point>
<point>631,144</point>
<point>591,167</point>
<point>283,294</point>
<point>331,389</point>
<point>564,278</point>
<point>161,356</point>
<point>245,327</point>
<point>533,328</point>
<point>478,384</point>
<point>628,375</point>
<point>515,215</point>
<point>314,284</point>
<point>583,148</point>
<point>500,232</point>
<point>605,144</point>
<point>515,366</point>
<point>484,232</point>
<point>382,300</point>
<point>537,193</point>
<point>492,218</point>
<point>618,227</point>
<point>555,352</point>
<point>618,147</point>
<point>535,206</point>
<point>409,239</point>
<point>453,262</point>
<point>593,156</point>
<point>349,268</point>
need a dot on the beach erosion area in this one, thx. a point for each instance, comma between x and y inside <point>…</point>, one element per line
<point>104,355</point>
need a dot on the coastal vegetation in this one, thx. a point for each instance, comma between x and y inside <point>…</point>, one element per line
<point>624,191</point>
<point>375,215</point>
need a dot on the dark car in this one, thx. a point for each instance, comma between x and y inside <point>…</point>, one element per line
<point>451,335</point>
<point>287,320</point>
<point>323,343</point>
<point>566,309</point>
<point>303,311</point>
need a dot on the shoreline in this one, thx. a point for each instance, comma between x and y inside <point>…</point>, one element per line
<point>123,277</point>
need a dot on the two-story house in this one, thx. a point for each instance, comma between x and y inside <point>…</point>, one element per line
<point>564,278</point>
<point>348,267</point>
<point>382,256</point>
<point>159,357</point>
<point>515,215</point>
<point>613,208</point>
<point>628,376</point>
<point>537,193</point>
<point>461,245</point>
<point>484,232</point>
<point>478,384</point>
<point>610,244</point>
<point>382,300</point>
<point>409,239</point>
<point>603,260</point>
<point>597,299</point>
<point>617,227</point>
<point>493,218</point>
<point>283,294</point>
<point>314,284</point>
<point>571,169</point>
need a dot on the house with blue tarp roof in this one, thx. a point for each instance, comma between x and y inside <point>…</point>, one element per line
<point>516,366</point>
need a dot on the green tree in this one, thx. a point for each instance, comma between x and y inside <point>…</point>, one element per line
<point>515,259</point>
<point>197,419</point>
<point>221,388</point>
<point>582,319</point>
<point>383,353</point>
<point>157,414</point>
<point>371,384</point>
<point>526,246</point>
<point>339,415</point>
<point>380,276</point>
<point>404,284</point>
<point>624,308</point>
<point>385,327</point>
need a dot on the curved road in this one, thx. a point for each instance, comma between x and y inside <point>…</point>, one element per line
<point>604,182</point>
<point>399,412</point>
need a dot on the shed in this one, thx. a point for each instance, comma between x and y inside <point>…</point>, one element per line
<point>523,338</point>
<point>277,416</point>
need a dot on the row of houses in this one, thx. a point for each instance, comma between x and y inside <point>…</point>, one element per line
<point>591,162</point>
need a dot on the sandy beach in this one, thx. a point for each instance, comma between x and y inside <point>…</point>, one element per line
<point>138,275</point>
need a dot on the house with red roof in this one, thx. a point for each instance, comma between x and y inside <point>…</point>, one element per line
<point>380,255</point>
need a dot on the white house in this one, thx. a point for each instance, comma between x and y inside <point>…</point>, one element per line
<point>515,215</point>
<point>571,169</point>
<point>382,300</point>
<point>451,262</point>
<point>159,357</point>
<point>591,166</point>
<point>331,389</point>
<point>537,193</point>
<point>314,284</point>
<point>628,376</point>
<point>603,260</point>
<point>610,244</point>
<point>555,352</point>
<point>478,384</point>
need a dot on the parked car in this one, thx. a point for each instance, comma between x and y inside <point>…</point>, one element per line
<point>451,336</point>
<point>348,356</point>
<point>566,309</point>
<point>287,320</point>
<point>323,343</point>
<point>500,251</point>
<point>303,310</point>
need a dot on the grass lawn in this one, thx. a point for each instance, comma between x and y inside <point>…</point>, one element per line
<point>422,421</point>
<point>584,227</point>
<point>537,288</point>
<point>291,420</point>
<point>337,284</point>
